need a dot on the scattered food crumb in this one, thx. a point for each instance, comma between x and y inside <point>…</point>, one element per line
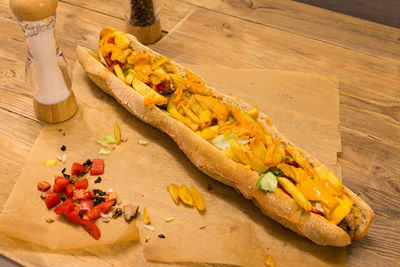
<point>149,227</point>
<point>161,236</point>
<point>103,151</point>
<point>269,261</point>
<point>130,211</point>
<point>62,158</point>
<point>63,134</point>
<point>117,213</point>
<point>51,162</point>
<point>63,148</point>
<point>63,199</point>
<point>98,180</point>
<point>49,220</point>
<point>169,219</point>
<point>147,238</point>
<point>60,130</point>
<point>43,195</point>
<point>143,143</point>
<point>209,187</point>
<point>63,170</point>
<point>202,227</point>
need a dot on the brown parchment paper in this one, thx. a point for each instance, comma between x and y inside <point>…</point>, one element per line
<point>232,230</point>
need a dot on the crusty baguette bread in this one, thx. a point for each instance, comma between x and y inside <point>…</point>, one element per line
<point>278,206</point>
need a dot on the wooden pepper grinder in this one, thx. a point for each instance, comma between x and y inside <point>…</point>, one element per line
<point>47,71</point>
<point>142,19</point>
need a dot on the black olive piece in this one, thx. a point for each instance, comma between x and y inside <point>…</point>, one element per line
<point>63,170</point>
<point>66,175</point>
<point>63,148</point>
<point>80,215</point>
<point>63,199</point>
<point>87,163</point>
<point>161,236</point>
<point>98,180</point>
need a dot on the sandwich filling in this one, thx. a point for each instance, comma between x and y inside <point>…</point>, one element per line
<point>241,135</point>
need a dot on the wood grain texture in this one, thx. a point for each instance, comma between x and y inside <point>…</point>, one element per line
<point>313,22</point>
<point>172,11</point>
<point>369,100</point>
<point>384,11</point>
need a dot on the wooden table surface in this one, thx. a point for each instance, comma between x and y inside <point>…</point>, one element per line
<point>286,35</point>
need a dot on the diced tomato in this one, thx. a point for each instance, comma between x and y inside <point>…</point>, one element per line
<point>317,211</point>
<point>67,206</point>
<point>73,216</point>
<point>52,199</point>
<point>159,87</point>
<point>60,183</point>
<point>91,228</point>
<point>86,205</point>
<point>111,41</point>
<point>82,184</point>
<point>79,194</point>
<point>69,190</point>
<point>91,195</point>
<point>43,186</point>
<point>96,211</point>
<point>97,167</point>
<point>77,168</point>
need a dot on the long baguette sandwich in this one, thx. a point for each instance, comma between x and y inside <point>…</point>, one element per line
<point>228,140</point>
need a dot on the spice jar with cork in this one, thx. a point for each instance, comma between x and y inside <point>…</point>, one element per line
<point>143,19</point>
<point>47,71</point>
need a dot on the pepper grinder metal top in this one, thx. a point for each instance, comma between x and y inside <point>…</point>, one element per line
<point>47,71</point>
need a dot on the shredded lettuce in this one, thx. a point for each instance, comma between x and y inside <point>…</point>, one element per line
<point>101,142</point>
<point>110,138</point>
<point>223,141</point>
<point>102,60</point>
<point>143,143</point>
<point>103,151</point>
<point>267,182</point>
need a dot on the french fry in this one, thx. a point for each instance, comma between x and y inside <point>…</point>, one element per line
<point>122,56</point>
<point>174,113</point>
<point>295,193</point>
<point>198,199</point>
<point>147,91</point>
<point>190,114</point>
<point>119,72</point>
<point>217,108</point>
<point>159,62</point>
<point>173,191</point>
<point>247,157</point>
<point>129,78</point>
<point>195,107</point>
<point>117,133</point>
<point>185,196</point>
<point>146,217</point>
<point>209,132</point>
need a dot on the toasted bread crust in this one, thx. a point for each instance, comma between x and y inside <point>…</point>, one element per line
<point>278,206</point>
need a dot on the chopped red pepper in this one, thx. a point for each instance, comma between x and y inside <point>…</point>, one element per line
<point>67,206</point>
<point>96,211</point>
<point>159,87</point>
<point>91,228</point>
<point>73,216</point>
<point>43,186</point>
<point>86,205</point>
<point>77,168</point>
<point>82,184</point>
<point>52,199</point>
<point>97,167</point>
<point>60,183</point>
<point>69,190</point>
<point>317,211</point>
<point>111,41</point>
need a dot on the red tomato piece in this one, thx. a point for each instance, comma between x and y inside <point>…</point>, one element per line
<point>60,183</point>
<point>82,184</point>
<point>95,212</point>
<point>43,186</point>
<point>316,211</point>
<point>111,41</point>
<point>73,216</point>
<point>77,168</point>
<point>86,205</point>
<point>97,167</point>
<point>65,207</point>
<point>79,194</point>
<point>52,199</point>
<point>69,190</point>
<point>91,228</point>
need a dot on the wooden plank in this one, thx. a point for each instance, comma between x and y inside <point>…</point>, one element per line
<point>385,12</point>
<point>17,135</point>
<point>315,23</point>
<point>369,100</point>
<point>172,11</point>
